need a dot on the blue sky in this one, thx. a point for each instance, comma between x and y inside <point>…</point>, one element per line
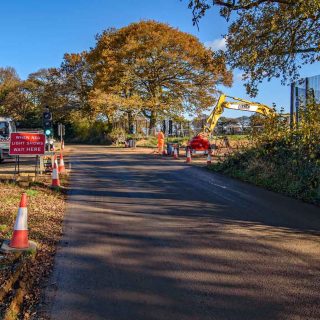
<point>35,34</point>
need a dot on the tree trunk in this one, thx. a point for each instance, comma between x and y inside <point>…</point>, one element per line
<point>153,121</point>
<point>130,128</point>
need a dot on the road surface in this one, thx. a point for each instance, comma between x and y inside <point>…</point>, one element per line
<point>147,238</point>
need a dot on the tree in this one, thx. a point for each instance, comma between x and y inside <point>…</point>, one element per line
<point>9,81</point>
<point>244,122</point>
<point>16,100</point>
<point>66,89</point>
<point>77,80</point>
<point>224,122</point>
<point>156,69</point>
<point>268,38</point>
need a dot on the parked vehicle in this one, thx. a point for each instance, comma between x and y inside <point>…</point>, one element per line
<point>7,126</point>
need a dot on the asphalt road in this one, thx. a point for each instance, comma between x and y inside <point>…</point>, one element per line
<point>147,238</point>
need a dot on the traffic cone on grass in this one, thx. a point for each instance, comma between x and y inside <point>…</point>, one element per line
<point>62,168</point>
<point>55,176</point>
<point>56,162</point>
<point>52,162</point>
<point>188,156</point>
<point>19,238</point>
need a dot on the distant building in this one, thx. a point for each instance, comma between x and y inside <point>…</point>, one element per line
<point>232,128</point>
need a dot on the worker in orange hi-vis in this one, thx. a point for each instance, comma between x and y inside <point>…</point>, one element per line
<point>160,141</point>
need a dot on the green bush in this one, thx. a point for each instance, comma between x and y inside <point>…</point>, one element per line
<point>83,131</point>
<point>117,136</point>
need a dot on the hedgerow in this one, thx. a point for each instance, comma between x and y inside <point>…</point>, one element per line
<point>281,158</point>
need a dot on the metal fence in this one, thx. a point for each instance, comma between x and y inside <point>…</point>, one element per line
<point>303,92</point>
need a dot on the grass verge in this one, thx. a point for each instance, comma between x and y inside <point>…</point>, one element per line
<point>278,170</point>
<point>45,213</point>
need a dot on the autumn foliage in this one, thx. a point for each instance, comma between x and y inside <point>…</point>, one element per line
<point>146,69</point>
<point>152,68</point>
<point>267,39</point>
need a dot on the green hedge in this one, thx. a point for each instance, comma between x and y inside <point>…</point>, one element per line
<point>277,166</point>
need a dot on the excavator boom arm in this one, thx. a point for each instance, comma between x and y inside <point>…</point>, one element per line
<point>242,105</point>
<point>215,115</point>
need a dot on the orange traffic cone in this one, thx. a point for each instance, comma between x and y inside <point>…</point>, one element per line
<point>55,176</point>
<point>52,162</point>
<point>188,156</point>
<point>62,168</point>
<point>56,162</point>
<point>209,157</point>
<point>175,153</point>
<point>19,238</point>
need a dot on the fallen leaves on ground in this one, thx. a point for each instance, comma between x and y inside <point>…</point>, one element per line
<point>45,213</point>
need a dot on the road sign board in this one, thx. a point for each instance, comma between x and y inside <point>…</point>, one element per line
<point>27,143</point>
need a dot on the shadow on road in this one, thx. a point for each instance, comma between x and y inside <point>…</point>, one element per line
<point>152,239</point>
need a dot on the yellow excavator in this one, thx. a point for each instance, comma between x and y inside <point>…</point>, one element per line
<point>200,143</point>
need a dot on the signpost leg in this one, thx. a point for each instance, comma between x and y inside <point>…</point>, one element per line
<point>41,164</point>
<point>36,166</point>
<point>15,166</point>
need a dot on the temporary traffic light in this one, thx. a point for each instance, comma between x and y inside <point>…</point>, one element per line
<point>48,132</point>
<point>47,122</point>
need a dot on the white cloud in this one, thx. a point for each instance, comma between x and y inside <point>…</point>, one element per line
<point>216,44</point>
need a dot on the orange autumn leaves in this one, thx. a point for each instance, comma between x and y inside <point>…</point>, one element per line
<point>153,68</point>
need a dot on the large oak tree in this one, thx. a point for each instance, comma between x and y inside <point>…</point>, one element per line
<point>268,38</point>
<point>157,69</point>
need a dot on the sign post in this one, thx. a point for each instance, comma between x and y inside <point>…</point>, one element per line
<point>61,132</point>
